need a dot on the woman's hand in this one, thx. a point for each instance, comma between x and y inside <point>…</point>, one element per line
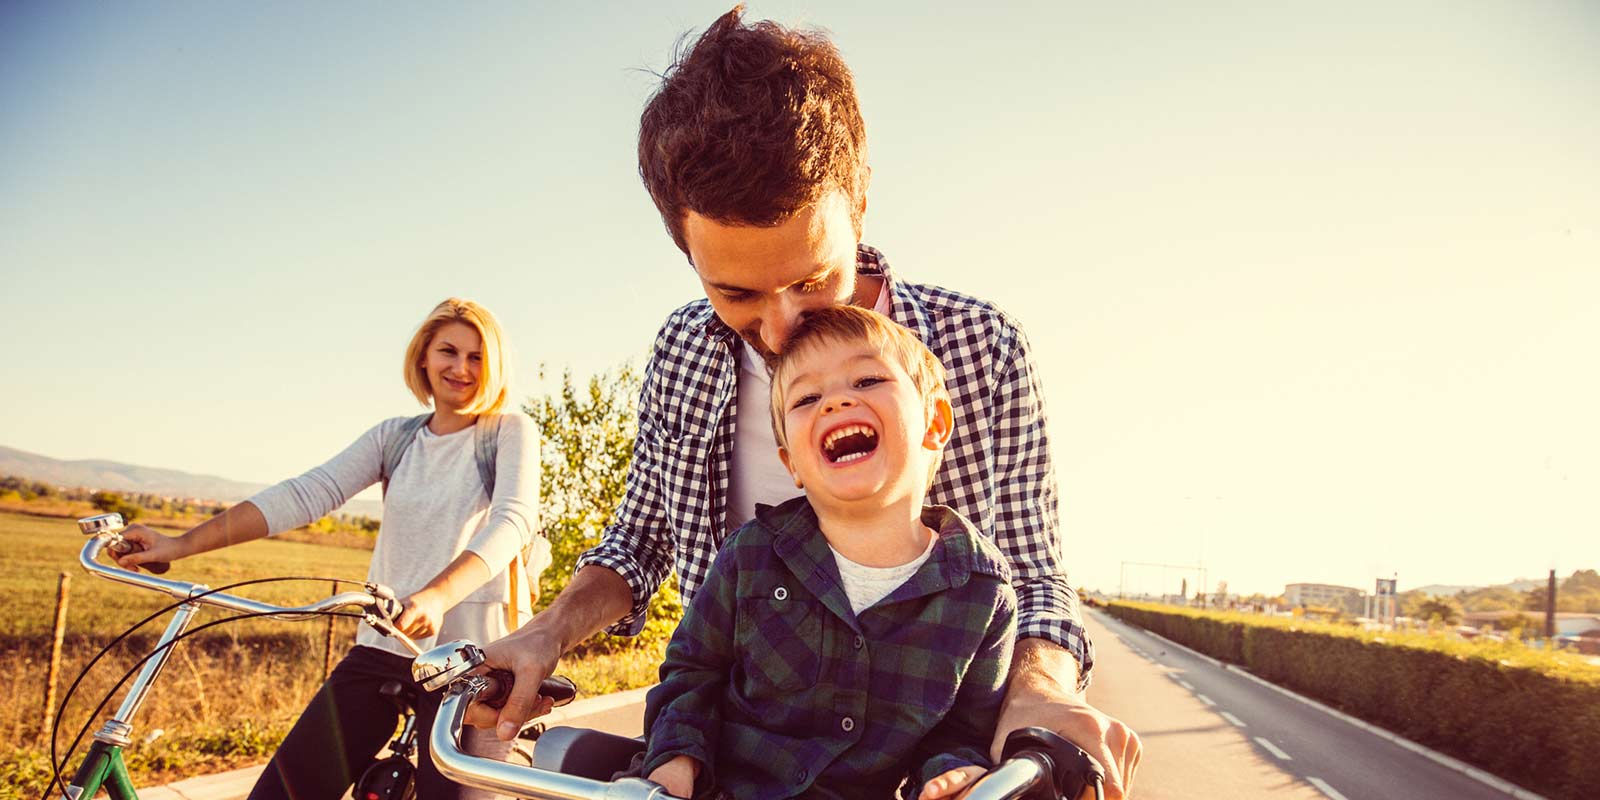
<point>148,547</point>
<point>422,613</point>
<point>950,782</point>
<point>677,776</point>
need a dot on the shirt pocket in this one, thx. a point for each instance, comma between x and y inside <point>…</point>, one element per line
<point>779,642</point>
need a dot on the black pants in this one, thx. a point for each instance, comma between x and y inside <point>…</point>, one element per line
<point>345,726</point>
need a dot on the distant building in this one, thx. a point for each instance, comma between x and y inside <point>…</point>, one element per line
<point>1319,594</point>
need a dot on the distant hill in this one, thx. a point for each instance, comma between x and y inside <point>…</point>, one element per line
<point>1518,585</point>
<point>119,477</point>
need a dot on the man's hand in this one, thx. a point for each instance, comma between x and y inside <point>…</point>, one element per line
<point>422,613</point>
<point>1040,693</point>
<point>531,655</point>
<point>950,782</point>
<point>677,776</point>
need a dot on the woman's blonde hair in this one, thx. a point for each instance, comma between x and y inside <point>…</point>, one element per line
<point>491,396</point>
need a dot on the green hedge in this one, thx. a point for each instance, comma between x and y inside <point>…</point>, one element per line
<point>1528,716</point>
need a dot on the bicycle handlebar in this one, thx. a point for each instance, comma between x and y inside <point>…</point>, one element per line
<point>1038,763</point>
<point>378,603</point>
<point>498,776</point>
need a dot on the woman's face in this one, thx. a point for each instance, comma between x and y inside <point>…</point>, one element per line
<point>453,363</point>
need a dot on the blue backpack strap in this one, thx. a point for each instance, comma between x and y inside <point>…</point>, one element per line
<point>487,450</point>
<point>395,447</point>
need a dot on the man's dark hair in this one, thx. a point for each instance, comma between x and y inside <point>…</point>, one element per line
<point>751,125</point>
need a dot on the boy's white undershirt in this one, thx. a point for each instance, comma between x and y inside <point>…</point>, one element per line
<point>867,585</point>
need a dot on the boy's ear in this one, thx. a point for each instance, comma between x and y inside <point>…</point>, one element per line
<point>941,423</point>
<point>783,455</point>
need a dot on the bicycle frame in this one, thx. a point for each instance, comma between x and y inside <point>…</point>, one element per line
<point>102,768</point>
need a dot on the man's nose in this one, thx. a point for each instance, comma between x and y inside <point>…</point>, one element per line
<point>782,316</point>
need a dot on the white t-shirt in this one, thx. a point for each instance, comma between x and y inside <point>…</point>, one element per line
<point>867,585</point>
<point>435,509</point>
<point>755,474</point>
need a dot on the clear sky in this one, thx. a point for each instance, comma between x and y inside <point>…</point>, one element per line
<point>1314,291</point>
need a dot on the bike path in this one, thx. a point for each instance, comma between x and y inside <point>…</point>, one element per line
<point>621,713</point>
<point>1213,731</point>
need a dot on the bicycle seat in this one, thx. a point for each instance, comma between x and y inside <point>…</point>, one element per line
<point>584,752</point>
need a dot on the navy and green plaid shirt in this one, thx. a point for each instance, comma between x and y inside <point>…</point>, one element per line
<point>996,470</point>
<point>780,690</point>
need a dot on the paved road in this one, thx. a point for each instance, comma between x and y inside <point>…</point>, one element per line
<point>1211,732</point>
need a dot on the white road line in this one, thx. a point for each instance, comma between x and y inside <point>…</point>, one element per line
<point>1233,719</point>
<point>1208,701</point>
<point>1323,787</point>
<point>1185,684</point>
<point>1273,749</point>
<point>1441,759</point>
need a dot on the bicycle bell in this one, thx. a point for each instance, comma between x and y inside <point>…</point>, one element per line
<point>438,667</point>
<point>101,523</point>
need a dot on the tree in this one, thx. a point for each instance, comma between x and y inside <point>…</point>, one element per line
<point>587,440</point>
<point>113,503</point>
<point>1444,610</point>
<point>1220,599</point>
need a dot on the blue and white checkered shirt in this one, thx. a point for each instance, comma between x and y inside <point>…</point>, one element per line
<point>996,469</point>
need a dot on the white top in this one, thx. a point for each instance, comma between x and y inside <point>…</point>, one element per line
<point>755,474</point>
<point>435,509</point>
<point>867,585</point>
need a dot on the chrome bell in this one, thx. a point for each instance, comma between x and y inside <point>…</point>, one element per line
<point>101,523</point>
<point>440,666</point>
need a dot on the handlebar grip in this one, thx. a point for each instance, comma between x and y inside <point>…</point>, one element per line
<point>123,548</point>
<point>559,689</point>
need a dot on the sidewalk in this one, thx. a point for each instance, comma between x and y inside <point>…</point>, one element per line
<point>621,713</point>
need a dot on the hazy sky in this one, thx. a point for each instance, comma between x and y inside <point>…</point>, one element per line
<point>1314,290</point>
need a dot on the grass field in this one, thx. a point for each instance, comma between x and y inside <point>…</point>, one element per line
<point>227,697</point>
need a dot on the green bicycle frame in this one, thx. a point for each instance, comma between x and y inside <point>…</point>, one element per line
<point>102,768</point>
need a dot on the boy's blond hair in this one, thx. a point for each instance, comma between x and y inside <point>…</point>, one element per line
<point>846,323</point>
<point>491,395</point>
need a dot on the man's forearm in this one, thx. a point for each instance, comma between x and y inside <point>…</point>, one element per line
<point>596,598</point>
<point>1042,666</point>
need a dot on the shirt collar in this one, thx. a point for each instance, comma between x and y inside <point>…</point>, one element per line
<point>956,555</point>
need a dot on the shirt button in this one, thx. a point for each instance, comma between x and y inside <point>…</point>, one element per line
<point>780,593</point>
<point>801,775</point>
<point>848,724</point>
<point>859,642</point>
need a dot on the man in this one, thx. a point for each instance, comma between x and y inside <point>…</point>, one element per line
<point>754,151</point>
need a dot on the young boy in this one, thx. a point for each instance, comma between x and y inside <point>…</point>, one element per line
<point>851,639</point>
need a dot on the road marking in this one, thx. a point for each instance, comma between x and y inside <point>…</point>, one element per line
<point>1273,749</point>
<point>1441,759</point>
<point>1185,684</point>
<point>1322,786</point>
<point>1233,719</point>
<point>1208,701</point>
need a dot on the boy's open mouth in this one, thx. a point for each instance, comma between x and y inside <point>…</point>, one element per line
<point>849,443</point>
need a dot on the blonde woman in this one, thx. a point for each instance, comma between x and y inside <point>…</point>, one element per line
<point>449,545</point>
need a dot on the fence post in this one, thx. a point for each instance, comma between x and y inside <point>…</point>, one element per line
<point>56,636</point>
<point>327,642</point>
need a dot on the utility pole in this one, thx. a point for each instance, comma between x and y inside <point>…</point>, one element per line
<point>1550,608</point>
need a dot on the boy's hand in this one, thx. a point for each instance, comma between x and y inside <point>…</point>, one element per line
<point>950,782</point>
<point>677,776</point>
